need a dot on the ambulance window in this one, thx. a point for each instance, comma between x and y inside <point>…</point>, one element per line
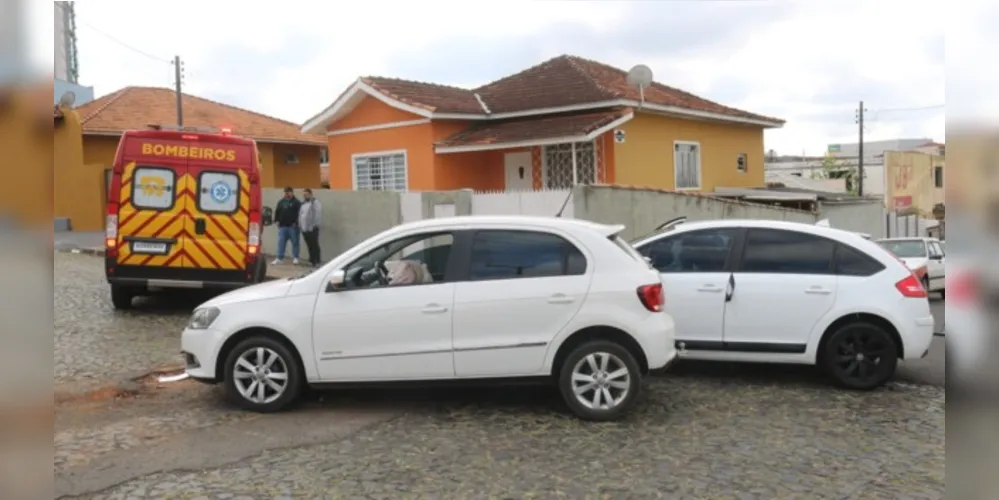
<point>152,188</point>
<point>218,192</point>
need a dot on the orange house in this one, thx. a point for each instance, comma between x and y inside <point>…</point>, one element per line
<point>563,122</point>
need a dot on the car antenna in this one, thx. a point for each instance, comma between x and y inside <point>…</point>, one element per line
<point>564,203</point>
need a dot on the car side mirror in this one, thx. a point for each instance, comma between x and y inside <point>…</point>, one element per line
<point>267,217</point>
<point>336,281</point>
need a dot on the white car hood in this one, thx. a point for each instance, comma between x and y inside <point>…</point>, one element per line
<point>914,263</point>
<point>260,291</point>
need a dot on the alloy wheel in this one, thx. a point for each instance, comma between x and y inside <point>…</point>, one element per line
<point>860,355</point>
<point>260,375</point>
<point>601,381</point>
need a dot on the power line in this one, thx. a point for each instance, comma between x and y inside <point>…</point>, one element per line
<point>123,44</point>
<point>918,108</point>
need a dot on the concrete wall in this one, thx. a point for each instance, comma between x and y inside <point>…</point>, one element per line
<point>641,210</point>
<point>350,217</point>
<point>860,216</point>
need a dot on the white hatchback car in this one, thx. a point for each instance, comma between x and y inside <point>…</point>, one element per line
<point>784,292</point>
<point>463,298</point>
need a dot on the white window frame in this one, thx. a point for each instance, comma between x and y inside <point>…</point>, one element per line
<point>376,154</point>
<point>676,169</point>
<point>544,161</point>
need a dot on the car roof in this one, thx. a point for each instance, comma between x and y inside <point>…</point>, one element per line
<point>829,232</point>
<point>473,221</point>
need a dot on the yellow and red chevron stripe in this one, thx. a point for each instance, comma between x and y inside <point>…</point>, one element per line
<point>222,246</point>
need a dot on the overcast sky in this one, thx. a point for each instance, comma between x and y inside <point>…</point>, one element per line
<point>808,62</point>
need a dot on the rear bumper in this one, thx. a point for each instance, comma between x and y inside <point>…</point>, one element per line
<point>177,277</point>
<point>918,336</point>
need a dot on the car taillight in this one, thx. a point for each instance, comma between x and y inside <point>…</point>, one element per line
<point>962,288</point>
<point>911,287</point>
<point>111,235</point>
<point>253,239</point>
<point>652,297</point>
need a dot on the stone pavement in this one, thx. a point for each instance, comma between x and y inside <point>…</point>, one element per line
<point>702,430</point>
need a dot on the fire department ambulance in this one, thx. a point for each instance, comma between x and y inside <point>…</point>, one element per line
<point>184,211</point>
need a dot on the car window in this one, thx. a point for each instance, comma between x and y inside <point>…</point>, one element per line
<point>853,262</point>
<point>218,192</point>
<point>523,254</point>
<point>905,249</point>
<point>702,251</point>
<point>936,250</point>
<point>153,188</point>
<point>786,252</point>
<point>431,251</point>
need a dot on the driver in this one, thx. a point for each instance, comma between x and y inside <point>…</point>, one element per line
<point>406,272</point>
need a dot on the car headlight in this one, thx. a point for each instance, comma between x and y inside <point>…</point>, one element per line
<point>203,318</point>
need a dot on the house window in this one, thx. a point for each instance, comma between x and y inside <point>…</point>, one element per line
<point>558,165</point>
<point>742,163</point>
<point>380,171</point>
<point>687,165</point>
<point>938,176</point>
<point>324,156</point>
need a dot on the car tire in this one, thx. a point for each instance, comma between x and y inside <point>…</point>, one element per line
<point>239,379</point>
<point>121,297</point>
<point>847,356</point>
<point>579,364</point>
<point>260,270</point>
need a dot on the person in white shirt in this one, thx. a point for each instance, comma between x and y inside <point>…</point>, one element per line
<point>309,218</point>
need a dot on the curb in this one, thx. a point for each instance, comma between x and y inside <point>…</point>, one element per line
<point>86,251</point>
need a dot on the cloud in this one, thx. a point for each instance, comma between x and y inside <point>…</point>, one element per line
<point>806,62</point>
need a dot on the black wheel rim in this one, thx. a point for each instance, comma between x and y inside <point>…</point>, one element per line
<point>861,355</point>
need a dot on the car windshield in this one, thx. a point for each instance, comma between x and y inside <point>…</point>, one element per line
<point>905,248</point>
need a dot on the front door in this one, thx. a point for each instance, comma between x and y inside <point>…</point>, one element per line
<point>389,332</point>
<point>518,171</point>
<point>781,288</point>
<point>219,206</point>
<point>541,276</point>
<point>695,271</point>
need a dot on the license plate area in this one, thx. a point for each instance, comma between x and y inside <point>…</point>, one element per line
<point>148,247</point>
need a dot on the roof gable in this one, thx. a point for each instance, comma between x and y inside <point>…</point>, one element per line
<point>562,84</point>
<point>135,108</point>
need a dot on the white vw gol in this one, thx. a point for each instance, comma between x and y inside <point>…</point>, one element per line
<point>464,298</point>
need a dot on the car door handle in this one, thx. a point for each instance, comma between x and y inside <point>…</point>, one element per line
<point>560,298</point>
<point>710,288</point>
<point>818,290</point>
<point>434,309</point>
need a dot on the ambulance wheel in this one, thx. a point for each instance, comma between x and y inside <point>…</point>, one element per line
<point>121,297</point>
<point>260,274</point>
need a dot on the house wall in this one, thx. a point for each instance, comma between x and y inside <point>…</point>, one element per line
<point>910,182</point>
<point>416,140</point>
<point>478,170</point>
<point>645,158</point>
<point>77,188</point>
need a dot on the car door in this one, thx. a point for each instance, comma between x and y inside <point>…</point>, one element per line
<point>694,266</point>
<point>522,288</point>
<point>387,332</point>
<point>935,267</point>
<point>782,285</point>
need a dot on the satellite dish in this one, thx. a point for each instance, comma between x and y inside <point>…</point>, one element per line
<point>640,77</point>
<point>67,99</point>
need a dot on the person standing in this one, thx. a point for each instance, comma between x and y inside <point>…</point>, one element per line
<point>309,218</point>
<point>286,216</point>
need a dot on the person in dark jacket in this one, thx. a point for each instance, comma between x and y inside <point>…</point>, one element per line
<point>286,217</point>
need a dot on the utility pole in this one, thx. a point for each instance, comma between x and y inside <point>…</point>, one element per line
<point>860,149</point>
<point>178,76</point>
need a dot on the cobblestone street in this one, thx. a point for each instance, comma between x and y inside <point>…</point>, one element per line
<point>701,431</point>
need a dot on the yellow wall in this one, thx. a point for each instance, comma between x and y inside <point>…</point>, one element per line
<point>910,181</point>
<point>645,158</point>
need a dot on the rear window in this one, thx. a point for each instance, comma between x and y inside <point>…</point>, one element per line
<point>152,188</point>
<point>218,192</point>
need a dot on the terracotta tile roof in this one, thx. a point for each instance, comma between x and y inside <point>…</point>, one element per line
<point>567,80</point>
<point>429,96</point>
<point>563,81</point>
<point>133,108</point>
<point>532,128</point>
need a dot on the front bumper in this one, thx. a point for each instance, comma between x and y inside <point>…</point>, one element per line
<point>200,349</point>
